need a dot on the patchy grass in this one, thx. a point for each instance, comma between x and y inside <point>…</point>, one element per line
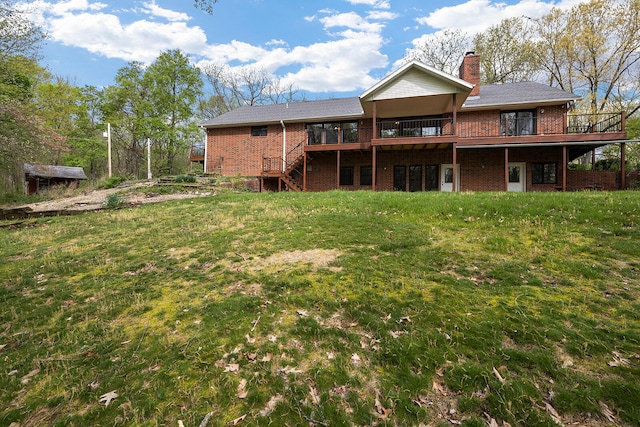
<point>326,309</point>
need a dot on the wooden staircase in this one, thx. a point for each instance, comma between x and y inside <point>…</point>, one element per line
<point>292,177</point>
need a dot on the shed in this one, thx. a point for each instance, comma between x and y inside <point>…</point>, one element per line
<point>40,177</point>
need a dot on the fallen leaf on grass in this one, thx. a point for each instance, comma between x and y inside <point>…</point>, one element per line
<point>237,420</point>
<point>396,334</point>
<point>249,339</point>
<point>267,357</point>
<point>302,313</point>
<point>437,386</point>
<point>232,367</point>
<point>498,376</point>
<point>315,397</point>
<point>242,389</point>
<point>618,360</point>
<point>607,412</point>
<point>381,411</point>
<point>355,359</point>
<point>271,405</point>
<point>108,397</point>
<point>30,375</point>
<point>554,414</point>
<point>290,370</point>
<point>2,346</point>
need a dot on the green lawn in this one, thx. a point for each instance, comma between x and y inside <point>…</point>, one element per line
<point>326,309</point>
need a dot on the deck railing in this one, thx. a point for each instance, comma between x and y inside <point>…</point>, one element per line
<point>197,151</point>
<point>543,124</point>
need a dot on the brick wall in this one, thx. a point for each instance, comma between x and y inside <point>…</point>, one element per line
<point>241,153</point>
<point>480,169</point>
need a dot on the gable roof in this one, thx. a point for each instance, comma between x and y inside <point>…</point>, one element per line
<point>324,110</point>
<point>415,79</point>
<point>514,95</point>
<point>51,171</point>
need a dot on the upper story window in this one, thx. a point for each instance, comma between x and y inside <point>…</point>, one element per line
<point>259,130</point>
<point>332,133</point>
<point>514,123</point>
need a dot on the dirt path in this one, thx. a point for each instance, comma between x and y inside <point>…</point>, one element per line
<point>94,199</point>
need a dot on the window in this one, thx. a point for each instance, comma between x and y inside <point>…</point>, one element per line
<point>346,175</point>
<point>432,179</point>
<point>415,178</point>
<point>448,175</point>
<point>259,130</point>
<point>514,123</point>
<point>514,173</point>
<point>350,132</point>
<point>544,173</point>
<point>399,178</point>
<point>332,133</point>
<point>365,175</point>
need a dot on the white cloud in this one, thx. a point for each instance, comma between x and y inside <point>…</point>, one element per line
<point>475,16</point>
<point>170,15</point>
<point>378,4</point>
<point>350,20</point>
<point>344,62</point>
<point>64,7</point>
<point>382,15</point>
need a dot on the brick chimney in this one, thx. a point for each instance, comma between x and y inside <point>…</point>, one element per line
<point>470,71</point>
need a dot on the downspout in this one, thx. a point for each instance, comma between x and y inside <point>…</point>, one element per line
<point>204,163</point>
<point>284,146</point>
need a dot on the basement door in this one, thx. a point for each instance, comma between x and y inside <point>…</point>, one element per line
<point>517,177</point>
<point>446,177</point>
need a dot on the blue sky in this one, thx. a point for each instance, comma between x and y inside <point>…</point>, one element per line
<point>325,48</point>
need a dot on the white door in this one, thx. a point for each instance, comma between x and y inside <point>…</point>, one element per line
<point>446,177</point>
<point>517,177</point>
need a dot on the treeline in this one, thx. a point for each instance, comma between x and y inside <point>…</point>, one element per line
<point>592,49</point>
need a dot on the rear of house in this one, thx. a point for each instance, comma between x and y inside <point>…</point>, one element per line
<point>419,129</point>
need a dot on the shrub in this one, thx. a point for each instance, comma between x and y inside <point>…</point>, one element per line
<point>114,181</point>
<point>185,178</point>
<point>113,201</point>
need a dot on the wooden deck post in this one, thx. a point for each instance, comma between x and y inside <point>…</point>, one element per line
<point>623,172</point>
<point>374,168</point>
<point>454,120</point>
<point>506,169</point>
<point>304,172</point>
<point>564,168</point>
<point>454,182</point>
<point>338,170</point>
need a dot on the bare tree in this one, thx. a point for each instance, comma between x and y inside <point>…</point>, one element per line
<point>443,51</point>
<point>231,89</point>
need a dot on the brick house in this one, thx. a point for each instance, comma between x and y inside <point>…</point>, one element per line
<point>418,129</point>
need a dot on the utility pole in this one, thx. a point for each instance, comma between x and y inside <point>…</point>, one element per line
<point>107,134</point>
<point>148,159</point>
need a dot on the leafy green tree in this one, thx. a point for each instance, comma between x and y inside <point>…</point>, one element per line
<point>23,135</point>
<point>156,104</point>
<point>126,105</point>
<point>507,52</point>
<point>174,89</point>
<point>593,49</point>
